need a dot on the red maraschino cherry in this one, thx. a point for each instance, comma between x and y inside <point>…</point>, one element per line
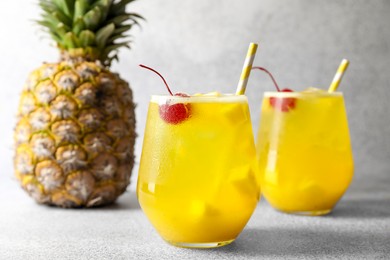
<point>172,113</point>
<point>282,104</point>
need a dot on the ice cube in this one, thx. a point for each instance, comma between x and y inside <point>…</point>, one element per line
<point>244,180</point>
<point>210,94</point>
<point>313,90</point>
<point>200,209</point>
<point>213,94</point>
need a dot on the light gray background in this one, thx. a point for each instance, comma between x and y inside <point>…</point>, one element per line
<point>200,45</point>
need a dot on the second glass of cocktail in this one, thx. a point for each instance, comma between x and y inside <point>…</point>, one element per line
<point>304,150</point>
<point>197,180</point>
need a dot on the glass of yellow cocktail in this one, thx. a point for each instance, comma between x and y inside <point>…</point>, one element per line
<point>198,183</point>
<point>304,149</point>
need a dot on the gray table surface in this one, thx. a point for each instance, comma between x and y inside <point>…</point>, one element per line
<point>359,228</point>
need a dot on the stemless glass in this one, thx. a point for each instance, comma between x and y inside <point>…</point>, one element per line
<point>304,151</point>
<point>198,183</point>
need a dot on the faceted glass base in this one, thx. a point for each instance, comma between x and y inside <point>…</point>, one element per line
<point>201,245</point>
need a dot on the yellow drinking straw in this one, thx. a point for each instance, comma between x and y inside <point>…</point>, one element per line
<point>339,75</point>
<point>246,70</point>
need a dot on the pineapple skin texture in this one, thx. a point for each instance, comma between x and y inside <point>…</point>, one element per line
<point>75,135</point>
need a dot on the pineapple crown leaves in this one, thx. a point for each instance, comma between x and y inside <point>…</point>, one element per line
<point>97,27</point>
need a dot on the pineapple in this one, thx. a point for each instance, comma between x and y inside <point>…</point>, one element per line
<point>76,124</point>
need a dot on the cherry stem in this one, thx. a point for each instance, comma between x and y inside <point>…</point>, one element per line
<point>166,84</point>
<point>269,73</point>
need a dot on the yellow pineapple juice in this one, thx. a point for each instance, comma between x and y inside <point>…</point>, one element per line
<point>304,151</point>
<point>197,178</point>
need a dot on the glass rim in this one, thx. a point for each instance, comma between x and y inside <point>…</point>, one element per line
<point>192,99</point>
<point>302,94</point>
